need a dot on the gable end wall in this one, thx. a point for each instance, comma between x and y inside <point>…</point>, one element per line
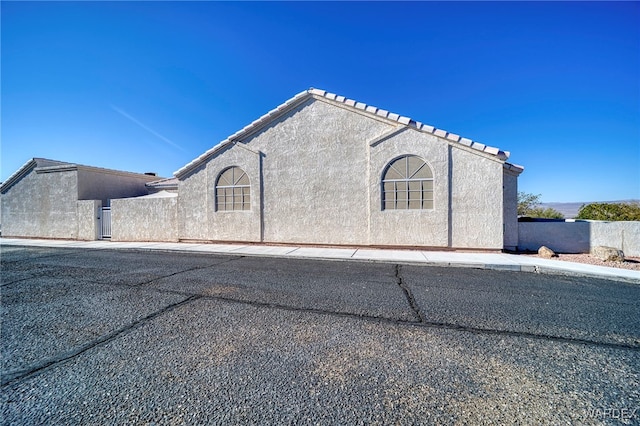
<point>315,174</point>
<point>316,179</point>
<point>41,205</point>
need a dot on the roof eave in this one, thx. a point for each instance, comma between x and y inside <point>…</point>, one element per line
<point>19,174</point>
<point>407,121</point>
<point>514,169</point>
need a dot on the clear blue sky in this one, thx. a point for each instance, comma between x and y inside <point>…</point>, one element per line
<point>149,86</point>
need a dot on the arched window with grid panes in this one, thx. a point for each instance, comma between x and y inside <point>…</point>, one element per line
<point>233,190</point>
<point>407,183</point>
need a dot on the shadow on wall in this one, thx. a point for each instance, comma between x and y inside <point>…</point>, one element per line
<point>578,236</point>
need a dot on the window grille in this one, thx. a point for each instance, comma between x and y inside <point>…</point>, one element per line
<point>233,190</point>
<point>407,183</point>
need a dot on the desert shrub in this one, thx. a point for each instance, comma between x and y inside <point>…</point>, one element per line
<point>547,213</point>
<point>527,202</point>
<point>528,205</point>
<point>610,211</point>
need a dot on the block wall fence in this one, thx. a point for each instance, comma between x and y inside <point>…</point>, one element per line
<point>579,236</point>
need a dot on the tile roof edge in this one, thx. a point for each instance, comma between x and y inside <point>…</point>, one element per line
<point>350,103</point>
<point>425,128</point>
<point>245,131</point>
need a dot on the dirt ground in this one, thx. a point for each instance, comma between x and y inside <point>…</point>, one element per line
<point>632,263</point>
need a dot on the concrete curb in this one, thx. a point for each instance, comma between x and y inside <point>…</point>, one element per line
<point>490,261</point>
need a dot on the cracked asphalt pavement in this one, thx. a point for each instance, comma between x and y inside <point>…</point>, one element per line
<point>137,337</point>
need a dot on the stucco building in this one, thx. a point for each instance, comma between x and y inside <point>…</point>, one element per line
<point>327,170</point>
<point>324,169</point>
<point>54,199</point>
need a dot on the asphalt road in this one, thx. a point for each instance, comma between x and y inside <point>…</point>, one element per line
<point>134,337</point>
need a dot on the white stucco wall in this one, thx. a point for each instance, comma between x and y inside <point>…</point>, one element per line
<point>579,236</point>
<point>315,175</point>
<point>622,235</point>
<point>316,179</point>
<point>198,218</point>
<point>476,200</point>
<point>193,198</point>
<point>312,166</point>
<point>144,219</point>
<point>234,225</point>
<point>410,227</point>
<point>53,199</point>
<point>41,205</point>
<point>88,214</point>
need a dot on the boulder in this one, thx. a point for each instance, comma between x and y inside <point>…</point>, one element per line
<point>546,252</point>
<point>607,254</point>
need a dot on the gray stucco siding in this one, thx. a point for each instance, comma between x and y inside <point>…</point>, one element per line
<point>88,212</point>
<point>243,225</point>
<point>426,227</point>
<point>144,219</point>
<point>192,206</point>
<point>315,166</point>
<point>315,175</point>
<point>316,178</point>
<point>476,200</point>
<point>53,199</point>
<point>41,205</point>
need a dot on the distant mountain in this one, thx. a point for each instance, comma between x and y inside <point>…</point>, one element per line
<point>570,210</point>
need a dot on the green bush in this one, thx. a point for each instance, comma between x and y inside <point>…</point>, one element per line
<point>528,206</point>
<point>610,211</point>
<point>547,213</point>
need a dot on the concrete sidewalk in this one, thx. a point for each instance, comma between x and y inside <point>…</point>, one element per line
<point>497,261</point>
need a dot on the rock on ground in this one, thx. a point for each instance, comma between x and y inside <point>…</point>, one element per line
<point>608,254</point>
<point>546,252</point>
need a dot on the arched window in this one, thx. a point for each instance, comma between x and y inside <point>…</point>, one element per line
<point>407,183</point>
<point>233,190</point>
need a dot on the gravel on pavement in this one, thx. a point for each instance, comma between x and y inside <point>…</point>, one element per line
<point>134,337</point>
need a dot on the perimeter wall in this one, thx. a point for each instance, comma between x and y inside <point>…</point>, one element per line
<point>579,236</point>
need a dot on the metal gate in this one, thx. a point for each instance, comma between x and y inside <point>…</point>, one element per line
<point>106,222</point>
